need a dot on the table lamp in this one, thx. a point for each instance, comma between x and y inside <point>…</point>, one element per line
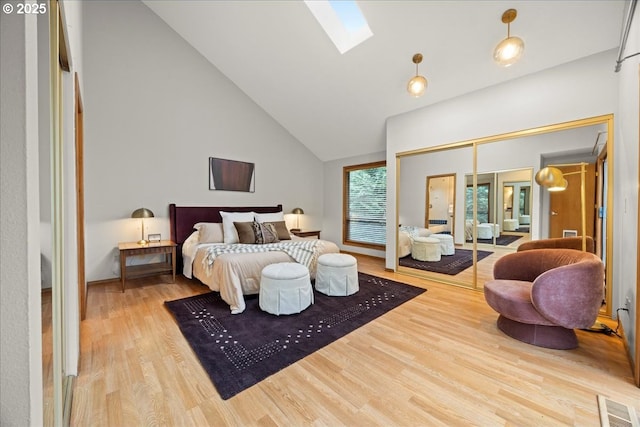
<point>297,212</point>
<point>142,213</point>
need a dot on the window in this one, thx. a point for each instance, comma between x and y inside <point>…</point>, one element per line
<point>483,203</point>
<point>343,22</point>
<point>365,205</point>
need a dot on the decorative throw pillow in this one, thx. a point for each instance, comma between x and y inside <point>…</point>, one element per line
<point>246,234</point>
<point>209,232</point>
<point>270,217</point>
<point>281,229</point>
<point>228,218</point>
<point>265,233</point>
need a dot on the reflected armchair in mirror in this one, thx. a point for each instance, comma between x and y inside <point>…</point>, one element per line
<point>559,243</point>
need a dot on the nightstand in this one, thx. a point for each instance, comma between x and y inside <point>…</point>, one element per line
<point>305,233</point>
<point>164,247</point>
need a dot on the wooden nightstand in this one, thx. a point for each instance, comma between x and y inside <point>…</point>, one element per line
<point>127,249</point>
<point>305,233</point>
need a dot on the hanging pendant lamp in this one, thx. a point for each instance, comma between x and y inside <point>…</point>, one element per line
<point>509,50</point>
<point>418,84</point>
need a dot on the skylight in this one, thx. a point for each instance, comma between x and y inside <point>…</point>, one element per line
<point>342,20</point>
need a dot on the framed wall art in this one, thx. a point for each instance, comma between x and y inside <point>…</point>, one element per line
<point>231,175</point>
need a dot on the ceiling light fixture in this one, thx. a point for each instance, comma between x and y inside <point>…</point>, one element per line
<point>418,84</point>
<point>510,49</point>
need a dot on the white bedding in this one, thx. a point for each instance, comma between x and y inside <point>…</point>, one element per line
<point>237,274</point>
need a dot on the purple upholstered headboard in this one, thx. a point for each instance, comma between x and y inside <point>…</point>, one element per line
<point>183,218</point>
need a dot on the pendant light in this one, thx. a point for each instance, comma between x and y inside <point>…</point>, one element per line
<point>418,84</point>
<point>509,50</point>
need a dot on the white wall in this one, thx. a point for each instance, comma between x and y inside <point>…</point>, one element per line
<point>20,318</point>
<point>332,223</point>
<point>155,111</point>
<point>627,179</point>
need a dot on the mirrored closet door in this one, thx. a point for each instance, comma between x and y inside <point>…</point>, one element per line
<point>497,203</point>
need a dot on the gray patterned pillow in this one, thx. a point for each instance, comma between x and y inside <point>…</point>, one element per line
<point>265,233</point>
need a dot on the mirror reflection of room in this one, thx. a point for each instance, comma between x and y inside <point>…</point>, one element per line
<point>511,208</point>
<point>440,195</point>
<point>517,206</point>
<point>431,206</point>
<point>503,201</point>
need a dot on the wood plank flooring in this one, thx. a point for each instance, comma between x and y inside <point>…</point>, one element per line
<point>438,360</point>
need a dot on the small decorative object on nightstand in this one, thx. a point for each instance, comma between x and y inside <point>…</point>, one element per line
<point>305,233</point>
<point>164,247</point>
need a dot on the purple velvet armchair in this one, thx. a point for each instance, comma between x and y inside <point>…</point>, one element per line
<point>542,295</point>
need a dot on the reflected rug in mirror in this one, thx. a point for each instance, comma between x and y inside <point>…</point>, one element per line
<point>448,264</point>
<point>240,350</point>
<point>503,240</point>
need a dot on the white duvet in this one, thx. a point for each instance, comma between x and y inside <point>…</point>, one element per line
<point>237,274</point>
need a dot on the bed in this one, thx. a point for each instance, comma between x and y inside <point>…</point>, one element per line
<point>230,267</point>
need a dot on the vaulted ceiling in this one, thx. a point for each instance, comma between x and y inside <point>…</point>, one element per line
<point>336,104</point>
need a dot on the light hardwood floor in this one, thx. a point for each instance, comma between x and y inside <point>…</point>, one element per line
<point>437,360</point>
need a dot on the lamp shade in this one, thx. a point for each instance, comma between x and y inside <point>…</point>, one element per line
<point>551,177</point>
<point>417,86</point>
<point>508,51</point>
<point>560,186</point>
<point>142,213</point>
<point>297,211</point>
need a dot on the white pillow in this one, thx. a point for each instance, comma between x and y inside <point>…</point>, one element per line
<point>209,232</point>
<point>189,248</point>
<point>229,229</point>
<point>270,217</point>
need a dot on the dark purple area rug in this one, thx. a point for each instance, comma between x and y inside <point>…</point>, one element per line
<point>240,350</point>
<point>448,264</point>
<point>503,240</point>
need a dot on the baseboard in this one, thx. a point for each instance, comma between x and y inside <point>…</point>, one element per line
<point>103,281</point>
<point>69,384</point>
<point>627,349</point>
<point>361,255</point>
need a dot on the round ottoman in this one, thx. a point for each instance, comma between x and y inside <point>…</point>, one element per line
<point>285,288</point>
<point>485,231</point>
<point>337,275</point>
<point>495,229</point>
<point>425,249</point>
<point>510,225</point>
<point>446,243</point>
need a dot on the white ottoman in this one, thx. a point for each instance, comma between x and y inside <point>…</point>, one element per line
<point>285,288</point>
<point>446,243</point>
<point>485,231</point>
<point>495,229</point>
<point>337,275</point>
<point>425,249</point>
<point>510,225</point>
<point>525,219</point>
